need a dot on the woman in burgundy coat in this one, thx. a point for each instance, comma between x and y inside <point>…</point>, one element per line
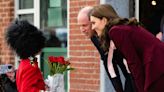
<point>143,51</point>
<point>27,41</point>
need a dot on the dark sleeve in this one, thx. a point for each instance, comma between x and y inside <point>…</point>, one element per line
<point>10,86</point>
<point>104,56</point>
<point>117,56</point>
<point>96,43</point>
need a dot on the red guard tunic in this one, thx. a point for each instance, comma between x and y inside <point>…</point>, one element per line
<point>29,78</point>
<point>144,54</point>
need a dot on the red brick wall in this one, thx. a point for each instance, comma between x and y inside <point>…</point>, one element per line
<point>6,16</point>
<point>84,56</point>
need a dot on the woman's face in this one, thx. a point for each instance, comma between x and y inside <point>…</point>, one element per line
<point>98,24</point>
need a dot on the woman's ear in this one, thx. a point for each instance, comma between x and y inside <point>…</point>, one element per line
<point>105,21</point>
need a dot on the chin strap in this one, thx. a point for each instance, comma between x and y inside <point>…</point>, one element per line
<point>32,59</point>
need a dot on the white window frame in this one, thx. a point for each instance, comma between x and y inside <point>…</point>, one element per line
<point>68,34</point>
<point>35,11</point>
<point>137,9</point>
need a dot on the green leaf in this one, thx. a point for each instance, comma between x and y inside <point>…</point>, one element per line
<point>70,69</point>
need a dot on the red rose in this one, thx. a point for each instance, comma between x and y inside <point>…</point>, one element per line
<point>61,60</point>
<point>53,59</point>
<point>58,65</point>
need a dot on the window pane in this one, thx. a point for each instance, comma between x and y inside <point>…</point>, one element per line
<point>53,15</point>
<point>56,37</point>
<point>28,17</point>
<point>52,39</point>
<point>53,20</point>
<point>55,3</point>
<point>26,4</point>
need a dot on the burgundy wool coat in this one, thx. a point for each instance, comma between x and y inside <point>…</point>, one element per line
<point>144,54</point>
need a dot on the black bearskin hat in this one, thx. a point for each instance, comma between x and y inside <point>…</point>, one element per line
<point>24,38</point>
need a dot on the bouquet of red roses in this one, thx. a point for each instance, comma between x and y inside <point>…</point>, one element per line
<point>58,65</point>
